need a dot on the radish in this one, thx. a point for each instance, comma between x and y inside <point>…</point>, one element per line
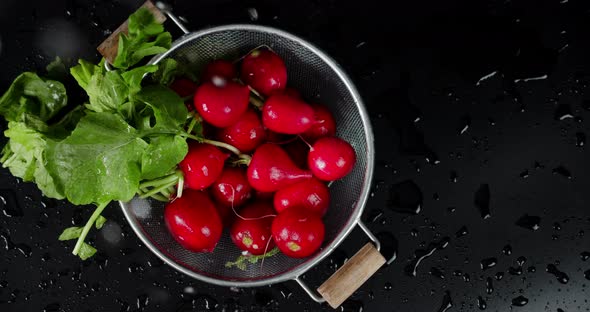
<point>312,194</point>
<point>231,189</point>
<point>284,114</point>
<point>271,169</point>
<point>220,68</point>
<point>264,71</point>
<point>193,221</point>
<point>323,125</point>
<point>251,230</point>
<point>202,165</point>
<point>331,158</point>
<point>298,232</point>
<point>222,102</point>
<point>246,134</point>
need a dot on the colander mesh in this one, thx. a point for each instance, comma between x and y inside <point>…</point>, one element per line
<point>319,83</point>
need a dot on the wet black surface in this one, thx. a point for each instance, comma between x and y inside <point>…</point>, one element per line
<point>483,105</point>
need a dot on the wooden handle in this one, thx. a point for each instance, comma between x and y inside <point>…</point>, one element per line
<point>108,48</point>
<point>352,275</point>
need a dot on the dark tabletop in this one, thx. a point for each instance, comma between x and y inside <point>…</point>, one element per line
<point>476,105</point>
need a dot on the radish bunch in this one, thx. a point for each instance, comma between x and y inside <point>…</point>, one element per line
<point>273,191</point>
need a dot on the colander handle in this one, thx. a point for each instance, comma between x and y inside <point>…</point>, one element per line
<point>109,47</point>
<point>351,276</point>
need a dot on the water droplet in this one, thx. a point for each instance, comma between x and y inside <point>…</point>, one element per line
<point>507,250</point>
<point>489,286</point>
<point>520,260</point>
<point>556,226</point>
<point>532,269</point>
<point>375,215</point>
<point>436,272</point>
<point>52,307</point>
<point>482,200</point>
<point>284,290</point>
<point>389,246</point>
<point>253,14</point>
<point>529,222</point>
<point>587,274</point>
<point>457,273</point>
<point>464,123</point>
<point>462,232</point>
<point>9,204</point>
<point>422,254</point>
<point>453,176</point>
<point>351,305</point>
<point>451,209</point>
<point>488,263</point>
<point>142,301</point>
<point>435,196</point>
<point>447,302</point>
<point>499,276</point>
<point>520,301</point>
<point>561,276</point>
<point>208,303</point>
<point>515,271</point>
<point>387,286</point>
<point>585,255</point>
<point>405,197</point>
<point>466,278</point>
<point>562,112</point>
<point>561,170</point>
<point>580,139</point>
<point>560,310</point>
<point>481,304</point>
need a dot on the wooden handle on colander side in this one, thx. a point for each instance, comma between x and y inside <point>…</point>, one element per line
<point>108,48</point>
<point>352,275</point>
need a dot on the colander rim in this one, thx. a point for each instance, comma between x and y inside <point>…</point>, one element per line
<point>360,204</point>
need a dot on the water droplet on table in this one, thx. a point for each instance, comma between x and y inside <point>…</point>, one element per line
<point>532,269</point>
<point>585,255</point>
<point>520,301</point>
<point>481,304</point>
<point>482,200</point>
<point>563,111</point>
<point>447,302</point>
<point>524,174</point>
<point>462,232</point>
<point>529,222</point>
<point>422,254</point>
<point>405,197</point>
<point>489,286</point>
<point>580,139</point>
<point>488,263</point>
<point>389,246</point>
<point>453,176</point>
<point>587,274</point>
<point>499,276</point>
<point>464,123</point>
<point>559,275</point>
<point>507,250</point>
<point>520,261</point>
<point>387,286</point>
<point>562,171</point>
<point>436,272</point>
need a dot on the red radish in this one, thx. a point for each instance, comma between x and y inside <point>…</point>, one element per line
<point>193,221</point>
<point>312,194</point>
<point>231,189</point>
<point>264,71</point>
<point>202,165</point>
<point>223,103</point>
<point>298,232</point>
<point>246,134</point>
<point>331,158</point>
<point>252,232</point>
<point>183,87</point>
<point>298,151</point>
<point>324,124</point>
<point>271,169</point>
<point>284,114</point>
<point>220,68</point>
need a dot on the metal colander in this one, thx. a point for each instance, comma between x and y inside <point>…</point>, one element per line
<point>320,80</point>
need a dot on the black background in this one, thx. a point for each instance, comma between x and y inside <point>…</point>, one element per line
<point>416,64</point>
